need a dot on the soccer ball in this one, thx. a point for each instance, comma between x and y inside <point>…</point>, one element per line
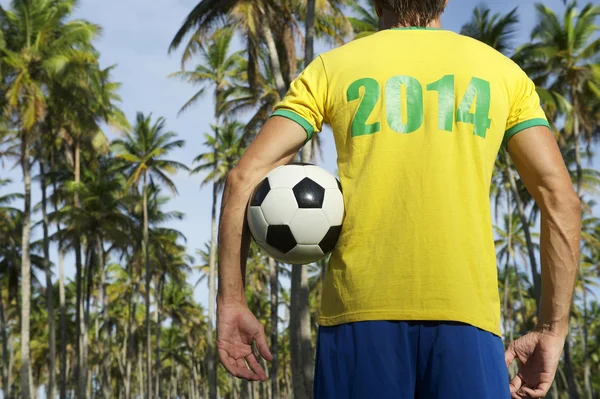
<point>295,214</point>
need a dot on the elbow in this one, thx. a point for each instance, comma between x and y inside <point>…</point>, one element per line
<point>237,179</point>
<point>563,201</point>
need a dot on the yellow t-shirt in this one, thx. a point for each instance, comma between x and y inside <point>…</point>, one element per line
<point>418,117</point>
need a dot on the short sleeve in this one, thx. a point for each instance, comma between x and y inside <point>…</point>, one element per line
<point>304,102</point>
<point>525,111</point>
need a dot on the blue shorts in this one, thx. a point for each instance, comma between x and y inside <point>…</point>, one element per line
<point>409,360</point>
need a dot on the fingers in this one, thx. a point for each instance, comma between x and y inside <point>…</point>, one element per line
<point>236,367</point>
<point>256,367</point>
<point>510,354</point>
<point>519,389</point>
<point>261,344</point>
<point>539,392</point>
<point>515,384</point>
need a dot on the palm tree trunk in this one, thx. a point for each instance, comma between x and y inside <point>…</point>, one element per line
<point>147,264</point>
<point>584,342</point>
<point>158,300</point>
<point>141,370</point>
<point>300,335</point>
<point>212,375</point>
<point>26,379</point>
<point>572,385</point>
<point>49,290</point>
<point>106,353</point>
<point>274,58</point>
<point>537,284</point>
<point>5,361</point>
<point>87,274</point>
<point>586,358</point>
<point>130,339</point>
<point>177,372</point>
<point>61,292</point>
<point>300,330</point>
<point>309,46</point>
<point>80,372</point>
<point>274,269</point>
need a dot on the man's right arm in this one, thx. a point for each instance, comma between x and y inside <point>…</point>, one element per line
<point>539,162</point>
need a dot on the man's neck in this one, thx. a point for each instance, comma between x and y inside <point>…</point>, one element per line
<point>391,22</point>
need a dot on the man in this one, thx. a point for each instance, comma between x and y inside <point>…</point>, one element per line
<point>410,307</point>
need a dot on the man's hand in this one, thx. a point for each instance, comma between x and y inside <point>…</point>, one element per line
<point>539,353</point>
<point>237,328</point>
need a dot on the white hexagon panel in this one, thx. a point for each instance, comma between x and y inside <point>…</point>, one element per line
<point>333,206</point>
<point>279,206</point>
<point>257,223</point>
<point>309,226</point>
<point>286,176</point>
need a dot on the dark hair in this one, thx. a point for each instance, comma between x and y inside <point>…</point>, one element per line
<point>415,12</point>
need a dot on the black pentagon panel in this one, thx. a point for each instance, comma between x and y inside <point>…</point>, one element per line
<point>281,238</point>
<point>301,164</point>
<point>309,194</point>
<point>330,240</point>
<point>339,185</point>
<point>260,193</point>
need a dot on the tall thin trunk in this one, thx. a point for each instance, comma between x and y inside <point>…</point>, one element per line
<point>141,370</point>
<point>309,46</point>
<point>274,58</point>
<point>158,300</point>
<point>80,372</point>
<point>177,372</point>
<point>507,264</point>
<point>194,380</point>
<point>172,383</point>
<point>148,274</point>
<point>106,353</point>
<point>274,277</point>
<point>212,374</point>
<point>129,350</point>
<point>61,291</point>
<point>26,380</point>
<point>49,289</point>
<point>5,362</point>
<point>87,274</point>
<point>537,283</point>
<point>300,335</point>
<point>300,329</point>
<point>571,382</point>
<point>586,358</point>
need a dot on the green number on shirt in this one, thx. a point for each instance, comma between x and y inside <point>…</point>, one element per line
<point>445,89</point>
<point>478,92</point>
<point>478,95</point>
<point>414,104</point>
<point>369,100</point>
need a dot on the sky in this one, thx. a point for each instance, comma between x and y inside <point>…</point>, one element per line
<point>136,35</point>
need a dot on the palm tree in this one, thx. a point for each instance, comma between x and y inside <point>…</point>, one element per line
<point>219,70</point>
<point>38,43</point>
<point>144,151</point>
<point>225,150</point>
<point>563,54</point>
<point>498,30</point>
<point>495,30</point>
<point>252,19</point>
<point>367,22</point>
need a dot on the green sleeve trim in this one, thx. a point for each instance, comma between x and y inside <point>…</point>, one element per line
<point>299,120</point>
<point>522,126</point>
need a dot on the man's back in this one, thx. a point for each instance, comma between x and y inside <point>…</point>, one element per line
<point>410,307</point>
<point>418,116</point>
